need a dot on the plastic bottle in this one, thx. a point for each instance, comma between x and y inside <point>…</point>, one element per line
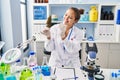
<point>93,14</point>
<point>86,16</point>
<point>25,63</point>
<point>38,74</point>
<point>113,76</point>
<point>32,60</point>
<point>15,69</point>
<point>18,62</point>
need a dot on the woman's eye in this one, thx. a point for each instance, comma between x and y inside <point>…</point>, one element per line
<point>65,15</point>
<point>70,17</point>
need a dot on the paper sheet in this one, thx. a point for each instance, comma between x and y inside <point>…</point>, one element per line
<point>64,73</point>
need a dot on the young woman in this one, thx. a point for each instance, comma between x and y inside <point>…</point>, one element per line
<point>64,40</point>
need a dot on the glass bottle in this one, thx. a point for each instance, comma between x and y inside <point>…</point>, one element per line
<point>44,62</point>
<point>32,60</point>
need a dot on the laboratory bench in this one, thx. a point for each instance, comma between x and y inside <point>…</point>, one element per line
<point>82,75</point>
<point>108,53</point>
<point>59,73</point>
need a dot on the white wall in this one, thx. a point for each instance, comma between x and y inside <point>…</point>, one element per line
<point>30,14</point>
<point>6,24</point>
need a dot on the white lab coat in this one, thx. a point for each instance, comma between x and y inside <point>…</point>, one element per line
<point>64,52</point>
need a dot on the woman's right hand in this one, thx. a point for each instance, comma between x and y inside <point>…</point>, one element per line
<point>46,32</point>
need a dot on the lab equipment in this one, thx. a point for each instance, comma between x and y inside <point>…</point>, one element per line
<point>18,62</point>
<point>12,55</point>
<point>10,77</point>
<point>16,67</point>
<point>90,66</point>
<point>26,74</point>
<point>99,76</point>
<point>32,60</point>
<point>46,70</point>
<point>4,69</point>
<point>54,17</point>
<point>44,62</point>
<point>71,78</point>
<point>38,74</point>
<point>53,76</point>
<point>9,58</point>
<point>93,14</point>
<point>84,33</point>
<point>86,16</point>
<point>90,38</point>
<point>1,76</point>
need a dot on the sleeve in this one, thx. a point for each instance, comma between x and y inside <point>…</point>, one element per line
<point>49,44</point>
<point>72,46</point>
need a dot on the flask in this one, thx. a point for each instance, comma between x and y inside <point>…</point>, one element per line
<point>44,62</point>
<point>93,14</point>
<point>25,63</point>
<point>32,60</point>
<point>46,70</point>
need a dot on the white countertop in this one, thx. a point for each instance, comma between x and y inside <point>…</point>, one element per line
<point>100,41</point>
<point>82,75</point>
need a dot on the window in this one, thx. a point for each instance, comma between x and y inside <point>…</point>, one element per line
<point>23,7</point>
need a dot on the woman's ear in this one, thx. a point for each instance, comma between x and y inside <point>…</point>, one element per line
<point>75,21</point>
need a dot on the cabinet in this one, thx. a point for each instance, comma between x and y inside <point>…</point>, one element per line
<point>106,28</point>
<point>113,58</point>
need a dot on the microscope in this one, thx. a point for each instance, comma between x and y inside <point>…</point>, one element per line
<point>90,67</point>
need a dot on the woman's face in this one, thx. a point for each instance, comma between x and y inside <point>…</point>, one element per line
<point>69,18</point>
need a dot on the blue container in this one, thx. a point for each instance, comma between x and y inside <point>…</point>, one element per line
<point>10,77</point>
<point>46,70</point>
<point>118,17</point>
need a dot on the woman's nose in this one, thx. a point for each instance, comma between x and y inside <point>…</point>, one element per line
<point>66,17</point>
